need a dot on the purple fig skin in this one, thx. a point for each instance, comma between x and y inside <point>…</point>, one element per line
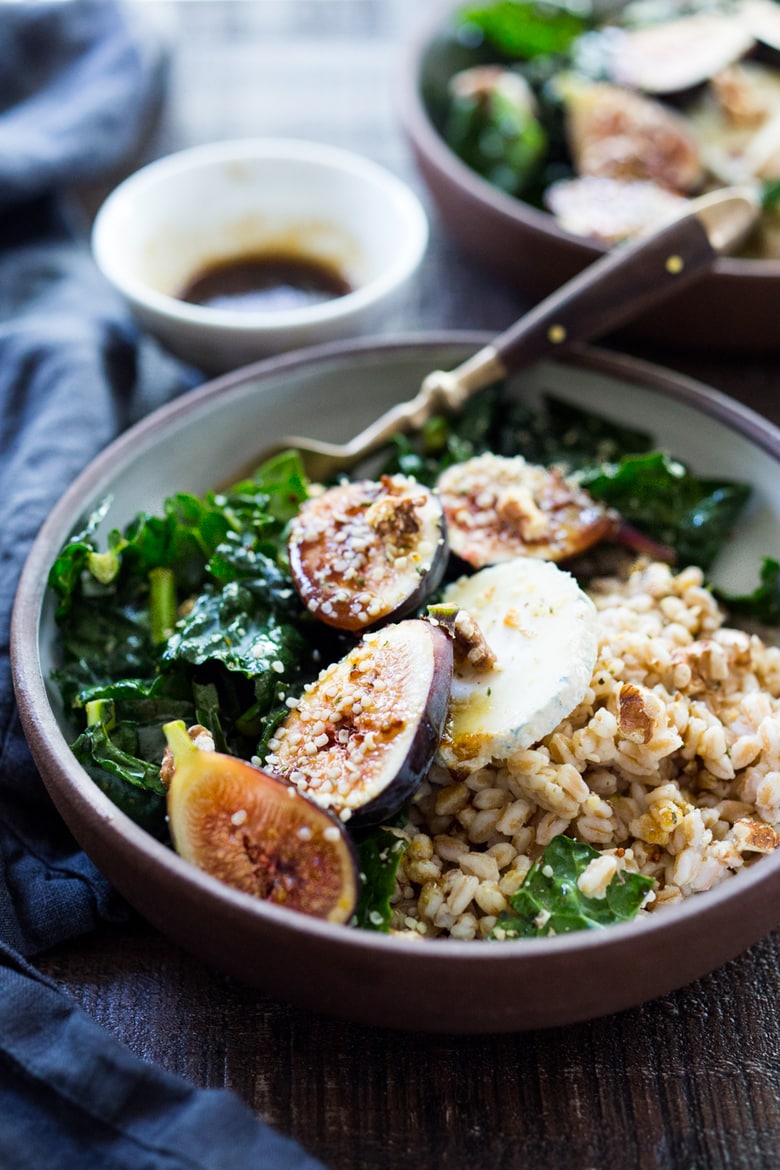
<point>368,553</point>
<point>364,734</point>
<point>425,741</point>
<point>257,834</point>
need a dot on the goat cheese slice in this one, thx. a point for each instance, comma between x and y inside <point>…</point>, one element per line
<point>543,629</point>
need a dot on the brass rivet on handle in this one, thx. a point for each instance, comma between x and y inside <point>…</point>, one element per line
<point>556,334</point>
<point>674,265</point>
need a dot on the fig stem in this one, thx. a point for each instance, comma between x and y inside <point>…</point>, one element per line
<point>179,741</point>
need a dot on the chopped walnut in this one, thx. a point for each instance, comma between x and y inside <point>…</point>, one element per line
<point>639,713</point>
<point>468,642</point>
<point>200,736</point>
<point>517,508</point>
<point>754,836</point>
<point>395,516</point>
<point>701,666</point>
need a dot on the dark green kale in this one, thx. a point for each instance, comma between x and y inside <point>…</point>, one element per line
<point>770,195</point>
<point>448,439</point>
<point>113,753</point>
<point>379,853</point>
<point>493,126</point>
<point>549,901</point>
<point>189,615</point>
<point>560,432</point>
<point>671,505</point>
<point>763,604</point>
<point>525,29</point>
<point>80,556</point>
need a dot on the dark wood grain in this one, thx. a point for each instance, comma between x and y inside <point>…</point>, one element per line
<point>690,1081</point>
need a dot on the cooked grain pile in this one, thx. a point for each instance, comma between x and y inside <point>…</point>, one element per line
<point>670,766</point>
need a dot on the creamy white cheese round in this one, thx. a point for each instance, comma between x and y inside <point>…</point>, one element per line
<point>542,628</point>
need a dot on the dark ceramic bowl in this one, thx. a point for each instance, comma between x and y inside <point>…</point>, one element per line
<point>433,985</point>
<point>732,309</point>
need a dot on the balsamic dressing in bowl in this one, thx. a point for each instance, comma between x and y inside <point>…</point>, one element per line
<point>266,282</point>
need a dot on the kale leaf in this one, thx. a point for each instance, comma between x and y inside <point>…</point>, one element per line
<point>526,29</point>
<point>112,751</point>
<point>550,902</point>
<point>379,853</point>
<point>671,505</point>
<point>130,662</point>
<point>763,604</point>
<point>560,432</point>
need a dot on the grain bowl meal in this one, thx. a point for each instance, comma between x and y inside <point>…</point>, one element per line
<point>611,116</point>
<point>484,691</point>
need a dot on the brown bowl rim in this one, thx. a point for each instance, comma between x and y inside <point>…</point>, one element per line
<point>61,771</point>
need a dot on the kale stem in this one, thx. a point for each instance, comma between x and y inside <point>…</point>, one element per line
<point>100,712</point>
<point>162,604</point>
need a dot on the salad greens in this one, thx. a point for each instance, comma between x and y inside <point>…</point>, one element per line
<point>528,28</point>
<point>192,615</point>
<point>530,99</point>
<point>763,604</point>
<point>379,852</point>
<point>550,901</point>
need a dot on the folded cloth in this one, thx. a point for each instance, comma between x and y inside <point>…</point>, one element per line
<point>75,91</point>
<point>72,1098</point>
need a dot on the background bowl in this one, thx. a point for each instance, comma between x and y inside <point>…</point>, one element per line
<point>406,983</point>
<point>732,309</point>
<point>179,215</point>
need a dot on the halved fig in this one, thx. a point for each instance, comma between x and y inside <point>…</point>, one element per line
<point>737,124</point>
<point>498,508</point>
<point>364,734</point>
<point>610,210</point>
<point>615,133</point>
<point>367,552</point>
<point>677,55</point>
<point>257,834</point>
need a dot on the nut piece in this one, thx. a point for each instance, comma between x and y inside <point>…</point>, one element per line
<point>200,736</point>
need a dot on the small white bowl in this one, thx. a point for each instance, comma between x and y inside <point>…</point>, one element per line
<point>183,214</point>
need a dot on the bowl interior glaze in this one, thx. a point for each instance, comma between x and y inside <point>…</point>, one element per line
<point>444,986</point>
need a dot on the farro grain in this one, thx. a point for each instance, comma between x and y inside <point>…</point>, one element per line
<point>670,766</point>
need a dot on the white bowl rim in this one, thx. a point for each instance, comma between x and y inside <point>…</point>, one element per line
<point>34,703</point>
<point>320,155</point>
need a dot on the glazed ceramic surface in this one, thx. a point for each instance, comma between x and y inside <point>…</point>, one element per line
<point>732,309</point>
<point>435,985</point>
<point>183,213</point>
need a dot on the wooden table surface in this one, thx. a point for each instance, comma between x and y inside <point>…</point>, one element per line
<point>690,1081</point>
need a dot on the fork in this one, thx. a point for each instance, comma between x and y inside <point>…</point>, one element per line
<point>608,293</point>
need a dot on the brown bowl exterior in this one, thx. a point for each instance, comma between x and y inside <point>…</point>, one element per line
<point>733,309</point>
<point>439,986</point>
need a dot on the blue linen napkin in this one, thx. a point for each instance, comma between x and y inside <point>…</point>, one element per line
<point>76,89</point>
